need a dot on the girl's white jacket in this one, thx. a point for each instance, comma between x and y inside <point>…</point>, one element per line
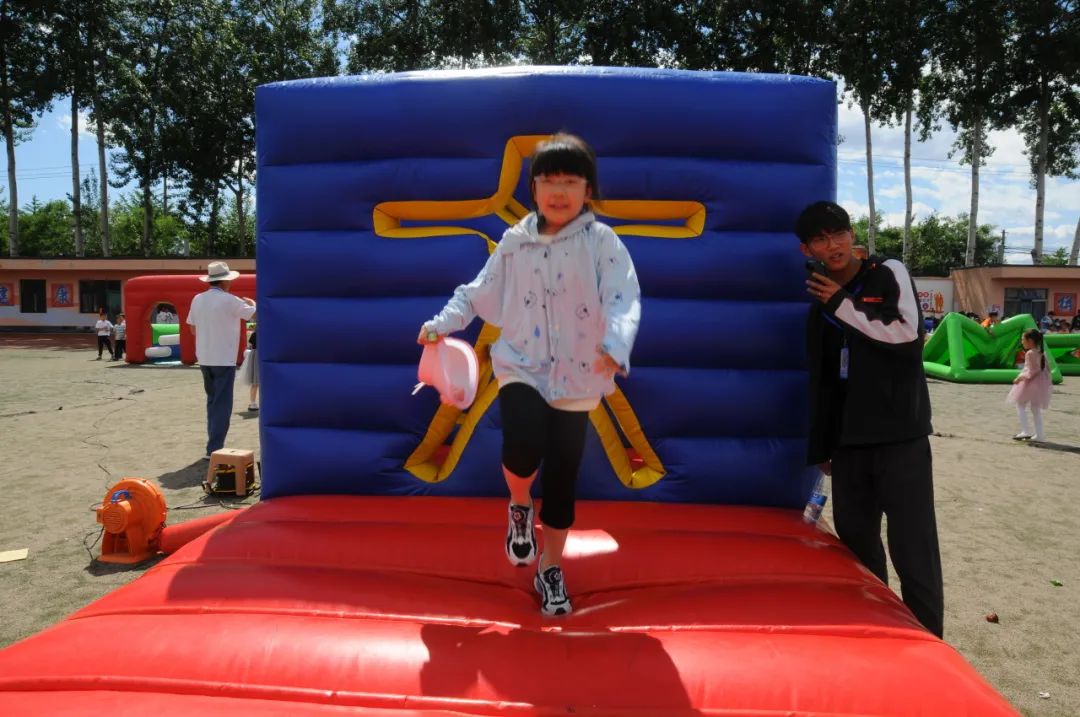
<point>559,301</point>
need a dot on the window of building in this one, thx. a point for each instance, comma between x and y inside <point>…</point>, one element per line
<point>96,295</point>
<point>32,296</point>
<point>1025,301</point>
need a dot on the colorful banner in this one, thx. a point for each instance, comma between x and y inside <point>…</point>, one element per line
<point>7,294</point>
<point>935,295</point>
<point>62,295</point>
<point>1064,303</point>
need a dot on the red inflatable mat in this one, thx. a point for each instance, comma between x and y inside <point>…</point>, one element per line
<point>328,605</point>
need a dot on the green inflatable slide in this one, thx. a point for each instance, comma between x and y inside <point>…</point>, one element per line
<point>1065,348</point>
<point>961,350</point>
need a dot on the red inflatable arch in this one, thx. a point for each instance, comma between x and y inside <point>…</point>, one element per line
<point>143,293</point>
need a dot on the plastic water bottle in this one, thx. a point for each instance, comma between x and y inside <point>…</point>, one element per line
<point>816,504</point>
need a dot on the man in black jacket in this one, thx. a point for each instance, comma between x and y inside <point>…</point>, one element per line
<point>870,408</point>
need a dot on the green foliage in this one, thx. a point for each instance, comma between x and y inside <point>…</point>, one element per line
<point>860,53</point>
<point>970,82</point>
<point>1058,258</point>
<point>27,84</point>
<point>553,31</point>
<point>174,81</point>
<point>45,229</point>
<point>639,33</point>
<point>1045,65</point>
<point>937,243</point>
<point>787,36</point>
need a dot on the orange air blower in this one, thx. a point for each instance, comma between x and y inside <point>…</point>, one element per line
<point>133,515</point>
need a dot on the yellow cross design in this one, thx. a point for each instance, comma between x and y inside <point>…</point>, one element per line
<point>637,466</point>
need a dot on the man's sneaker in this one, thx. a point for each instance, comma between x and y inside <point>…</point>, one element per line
<point>552,588</point>
<point>520,535</point>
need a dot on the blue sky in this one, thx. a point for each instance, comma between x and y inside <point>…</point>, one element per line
<point>43,167</point>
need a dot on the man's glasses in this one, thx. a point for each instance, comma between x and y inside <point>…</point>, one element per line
<point>825,238</point>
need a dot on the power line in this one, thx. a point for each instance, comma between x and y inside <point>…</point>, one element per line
<point>924,159</point>
<point>958,170</point>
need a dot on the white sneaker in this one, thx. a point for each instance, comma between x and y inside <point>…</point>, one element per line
<point>552,588</point>
<point>1021,436</point>
<point>520,535</point>
<point>253,407</point>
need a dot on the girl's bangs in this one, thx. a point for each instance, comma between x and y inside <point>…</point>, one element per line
<point>562,160</point>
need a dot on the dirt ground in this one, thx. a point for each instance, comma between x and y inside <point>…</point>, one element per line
<point>71,426</point>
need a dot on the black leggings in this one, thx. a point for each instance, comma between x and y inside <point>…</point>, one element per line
<point>103,343</point>
<point>535,433</point>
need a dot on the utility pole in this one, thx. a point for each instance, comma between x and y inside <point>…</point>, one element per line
<point>1001,248</point>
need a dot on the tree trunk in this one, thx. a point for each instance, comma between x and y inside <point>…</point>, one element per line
<point>148,217</point>
<point>165,194</point>
<point>973,215</point>
<point>147,179</point>
<point>212,230</point>
<point>13,192</point>
<point>1040,175</point>
<point>1075,253</point>
<point>9,141</point>
<point>907,184</point>
<point>103,173</point>
<point>241,231</point>
<point>76,202</point>
<point>871,230</point>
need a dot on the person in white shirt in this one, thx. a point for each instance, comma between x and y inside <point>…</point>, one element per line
<point>103,327</point>
<point>215,317</point>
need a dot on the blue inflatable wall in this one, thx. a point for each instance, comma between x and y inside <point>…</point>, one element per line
<point>377,195</point>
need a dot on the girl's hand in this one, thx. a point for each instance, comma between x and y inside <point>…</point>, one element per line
<point>1017,379</point>
<point>427,336</point>
<point>605,365</point>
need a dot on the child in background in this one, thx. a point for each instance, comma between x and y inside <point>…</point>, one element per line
<point>251,373</point>
<point>1031,387</point>
<point>104,328</point>
<point>563,289</point>
<point>120,331</point>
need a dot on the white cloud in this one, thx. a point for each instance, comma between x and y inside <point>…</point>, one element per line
<point>854,208</point>
<point>919,211</point>
<point>1010,154</point>
<point>892,191</point>
<point>85,130</point>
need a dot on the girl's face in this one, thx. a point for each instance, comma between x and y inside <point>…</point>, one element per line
<point>1028,343</point>
<point>560,198</point>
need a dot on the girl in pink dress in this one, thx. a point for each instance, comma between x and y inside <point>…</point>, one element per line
<point>1031,387</point>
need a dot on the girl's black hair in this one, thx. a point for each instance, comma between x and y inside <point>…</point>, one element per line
<point>1036,337</point>
<point>564,154</point>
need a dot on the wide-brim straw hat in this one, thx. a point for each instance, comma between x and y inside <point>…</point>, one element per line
<point>218,271</point>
